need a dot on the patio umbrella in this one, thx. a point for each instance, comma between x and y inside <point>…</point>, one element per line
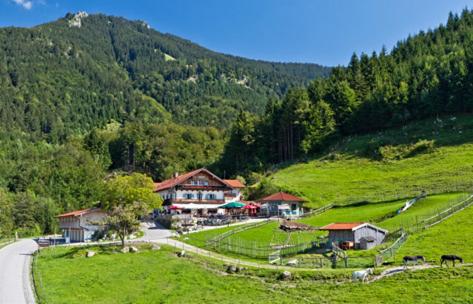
<point>250,207</point>
<point>174,207</point>
<point>233,205</point>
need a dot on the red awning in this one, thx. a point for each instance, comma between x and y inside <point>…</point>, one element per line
<point>250,207</point>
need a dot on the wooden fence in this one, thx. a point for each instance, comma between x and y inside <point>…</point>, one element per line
<point>409,191</point>
<point>427,222</point>
<point>211,242</point>
<point>446,213</point>
<point>390,252</point>
<point>318,211</point>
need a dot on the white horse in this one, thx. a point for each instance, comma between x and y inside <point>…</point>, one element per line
<point>361,275</point>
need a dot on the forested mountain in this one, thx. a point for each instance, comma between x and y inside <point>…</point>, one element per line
<point>426,75</point>
<point>82,71</point>
<point>87,96</point>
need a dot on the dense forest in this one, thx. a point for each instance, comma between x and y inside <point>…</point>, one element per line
<point>82,71</point>
<point>426,75</point>
<point>88,96</point>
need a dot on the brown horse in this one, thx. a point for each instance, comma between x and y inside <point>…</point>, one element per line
<point>413,259</point>
<point>450,257</point>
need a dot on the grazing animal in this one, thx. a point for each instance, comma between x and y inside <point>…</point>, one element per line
<point>449,257</point>
<point>413,259</point>
<point>361,275</point>
<point>293,262</point>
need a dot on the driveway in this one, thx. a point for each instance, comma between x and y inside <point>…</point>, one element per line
<point>154,232</point>
<point>15,266</point>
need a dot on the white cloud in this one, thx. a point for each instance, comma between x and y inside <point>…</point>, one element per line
<point>26,4</point>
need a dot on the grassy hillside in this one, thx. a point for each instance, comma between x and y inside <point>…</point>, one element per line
<point>382,214</point>
<point>432,155</point>
<point>161,277</point>
<point>449,237</point>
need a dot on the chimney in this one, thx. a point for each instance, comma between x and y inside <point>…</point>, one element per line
<point>176,174</point>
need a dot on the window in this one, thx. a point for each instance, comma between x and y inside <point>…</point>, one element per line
<point>188,196</point>
<point>211,196</point>
<point>199,196</point>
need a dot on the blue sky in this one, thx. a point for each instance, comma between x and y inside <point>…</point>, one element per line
<point>325,32</point>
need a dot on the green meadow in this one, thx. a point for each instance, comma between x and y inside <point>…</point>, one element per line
<point>422,209</point>
<point>352,170</point>
<point>161,277</point>
<point>382,214</point>
<point>452,236</point>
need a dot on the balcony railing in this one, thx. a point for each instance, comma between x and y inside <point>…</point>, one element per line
<point>196,201</point>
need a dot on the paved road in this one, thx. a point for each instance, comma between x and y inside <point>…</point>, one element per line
<point>154,232</point>
<point>15,265</point>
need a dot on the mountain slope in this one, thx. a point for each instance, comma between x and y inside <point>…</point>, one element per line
<point>81,71</point>
<point>435,156</point>
<point>427,75</point>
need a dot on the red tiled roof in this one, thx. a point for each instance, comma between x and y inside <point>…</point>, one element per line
<point>169,183</point>
<point>234,183</point>
<point>79,212</point>
<point>281,197</point>
<point>341,226</point>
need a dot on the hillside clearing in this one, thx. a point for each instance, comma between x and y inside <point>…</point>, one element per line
<point>349,172</point>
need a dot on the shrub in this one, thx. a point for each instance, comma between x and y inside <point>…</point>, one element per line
<point>405,151</point>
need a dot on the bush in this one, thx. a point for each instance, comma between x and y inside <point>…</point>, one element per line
<point>405,151</point>
<point>264,188</point>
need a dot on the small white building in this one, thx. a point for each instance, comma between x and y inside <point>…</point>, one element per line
<point>80,225</point>
<point>282,204</point>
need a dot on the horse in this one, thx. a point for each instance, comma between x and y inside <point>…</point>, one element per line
<point>361,275</point>
<point>449,257</point>
<point>414,259</point>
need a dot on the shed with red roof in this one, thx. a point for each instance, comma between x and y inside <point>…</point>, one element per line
<point>362,235</point>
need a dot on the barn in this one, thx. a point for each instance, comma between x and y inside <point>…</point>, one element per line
<point>360,235</point>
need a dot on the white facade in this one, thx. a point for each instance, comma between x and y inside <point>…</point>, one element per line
<point>205,195</point>
<point>198,189</point>
<point>233,196</point>
<point>81,225</point>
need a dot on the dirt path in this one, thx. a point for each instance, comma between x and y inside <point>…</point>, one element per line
<point>396,270</point>
<point>206,253</point>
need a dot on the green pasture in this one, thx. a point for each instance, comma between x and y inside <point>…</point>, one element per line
<point>161,277</point>
<point>348,172</point>
<point>422,209</point>
<point>264,238</point>
<point>452,236</point>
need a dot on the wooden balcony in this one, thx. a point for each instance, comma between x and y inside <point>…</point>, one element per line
<point>195,201</point>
